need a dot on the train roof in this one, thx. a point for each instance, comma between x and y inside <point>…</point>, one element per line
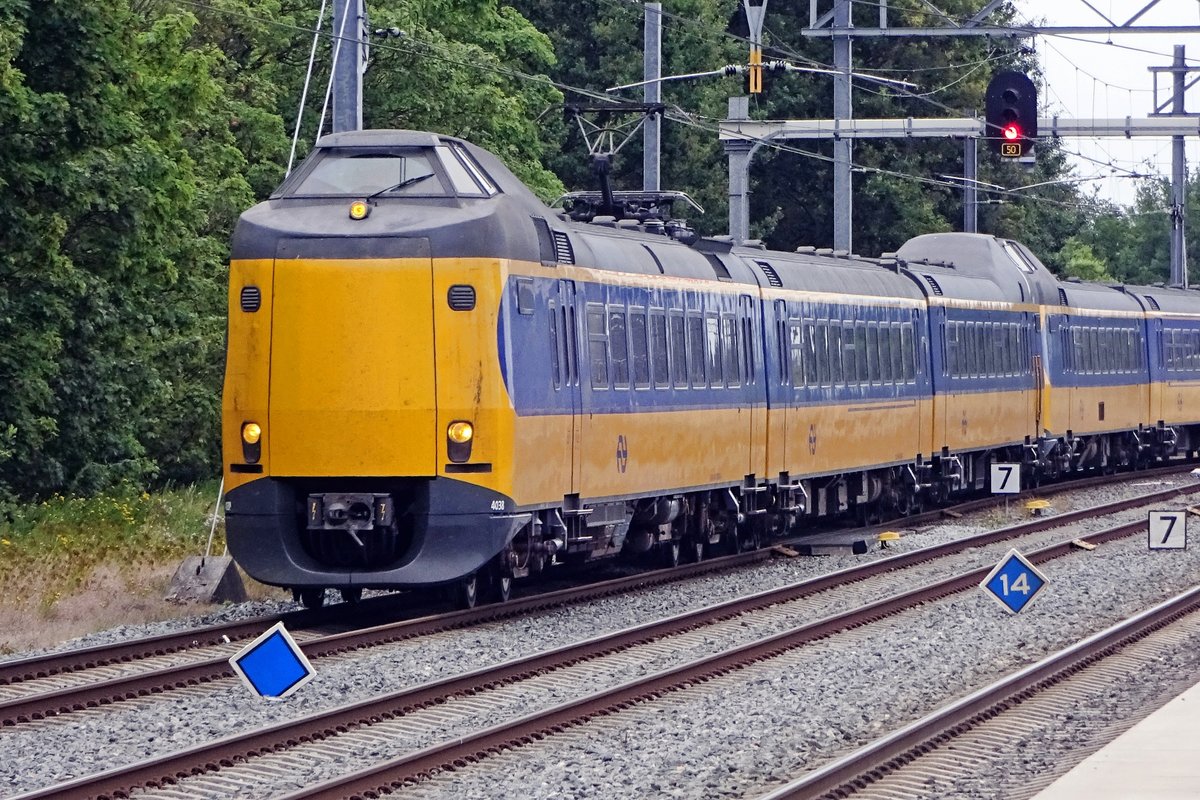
<point>1169,299</point>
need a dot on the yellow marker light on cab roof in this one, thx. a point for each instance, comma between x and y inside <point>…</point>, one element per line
<point>460,432</point>
<point>251,433</point>
<point>359,209</point>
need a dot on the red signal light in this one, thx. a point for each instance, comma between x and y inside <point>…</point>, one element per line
<point>1011,132</point>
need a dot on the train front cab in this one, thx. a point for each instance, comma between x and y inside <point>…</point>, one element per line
<point>364,370</point>
<point>356,479</point>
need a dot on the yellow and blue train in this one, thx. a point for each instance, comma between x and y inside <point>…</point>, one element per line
<point>434,379</point>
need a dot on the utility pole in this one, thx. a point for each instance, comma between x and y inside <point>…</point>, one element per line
<point>843,187</point>
<point>970,181</point>
<point>348,58</point>
<point>652,94</point>
<point>1179,276</point>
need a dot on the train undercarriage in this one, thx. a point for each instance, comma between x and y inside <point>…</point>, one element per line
<point>690,526</point>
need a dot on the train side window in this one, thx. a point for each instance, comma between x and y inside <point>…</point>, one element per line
<point>897,353</point>
<point>970,350</point>
<point>885,355</point>
<point>712,348</point>
<point>569,344</point>
<point>811,372</point>
<point>849,355</point>
<point>658,349</point>
<point>836,374</point>
<point>872,353</point>
<point>950,349</point>
<point>908,353</point>
<point>618,347</point>
<point>639,346</point>
<point>1003,362</point>
<point>678,351</point>
<point>987,344</point>
<point>695,350</point>
<point>796,351</point>
<point>597,345</point>
<point>475,170</point>
<point>729,351</point>
<point>462,180</point>
<point>555,360</point>
<point>1013,348</point>
<point>821,349</point>
<point>745,323</point>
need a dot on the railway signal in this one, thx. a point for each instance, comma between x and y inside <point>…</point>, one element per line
<point>1011,105</point>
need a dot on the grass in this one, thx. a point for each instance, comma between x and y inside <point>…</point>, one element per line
<point>70,565</point>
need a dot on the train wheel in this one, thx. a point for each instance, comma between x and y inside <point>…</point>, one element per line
<point>313,598</point>
<point>502,588</point>
<point>466,591</point>
<point>351,594</point>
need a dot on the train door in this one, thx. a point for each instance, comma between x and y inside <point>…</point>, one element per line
<point>754,385</point>
<point>566,333</point>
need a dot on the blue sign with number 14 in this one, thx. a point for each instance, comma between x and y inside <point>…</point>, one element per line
<point>1014,582</point>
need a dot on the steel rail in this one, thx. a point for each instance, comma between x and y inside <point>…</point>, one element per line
<point>43,666</point>
<point>62,701</point>
<point>26,709</point>
<point>420,765</point>
<point>168,768</point>
<point>892,752</point>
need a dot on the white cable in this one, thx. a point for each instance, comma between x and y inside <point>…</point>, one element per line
<point>337,49</point>
<point>312,58</point>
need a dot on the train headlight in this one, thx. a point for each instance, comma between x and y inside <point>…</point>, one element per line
<point>460,432</point>
<point>458,441</point>
<point>251,442</point>
<point>359,209</point>
<point>251,433</point>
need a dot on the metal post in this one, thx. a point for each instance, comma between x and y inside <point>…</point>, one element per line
<point>651,72</point>
<point>347,66</point>
<point>970,182</point>
<point>1179,276</point>
<point>843,210</point>
<point>740,152</point>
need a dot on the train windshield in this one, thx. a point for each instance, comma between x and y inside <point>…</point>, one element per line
<point>359,173</point>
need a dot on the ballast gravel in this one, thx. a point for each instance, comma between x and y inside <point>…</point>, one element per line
<point>731,737</point>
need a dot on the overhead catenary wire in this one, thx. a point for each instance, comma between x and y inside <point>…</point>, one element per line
<point>674,112</point>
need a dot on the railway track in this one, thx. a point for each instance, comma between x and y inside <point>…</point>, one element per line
<point>79,680</point>
<point>962,739</point>
<point>426,710</point>
<point>37,687</point>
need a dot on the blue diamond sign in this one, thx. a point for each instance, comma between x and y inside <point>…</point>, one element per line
<point>273,664</point>
<point>1014,582</point>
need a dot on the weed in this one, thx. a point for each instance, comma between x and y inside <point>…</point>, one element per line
<point>50,549</point>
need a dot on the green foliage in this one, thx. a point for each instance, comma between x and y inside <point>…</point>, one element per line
<point>1079,261</point>
<point>132,135</point>
<point>50,548</point>
<point>134,132</point>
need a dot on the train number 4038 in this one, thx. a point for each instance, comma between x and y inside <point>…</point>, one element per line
<point>497,505</point>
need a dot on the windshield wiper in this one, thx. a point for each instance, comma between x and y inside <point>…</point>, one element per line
<point>401,184</point>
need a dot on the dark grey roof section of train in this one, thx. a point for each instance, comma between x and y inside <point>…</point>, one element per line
<point>983,256</point>
<point>827,274</point>
<point>1083,297</point>
<point>1169,299</point>
<point>946,282</point>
